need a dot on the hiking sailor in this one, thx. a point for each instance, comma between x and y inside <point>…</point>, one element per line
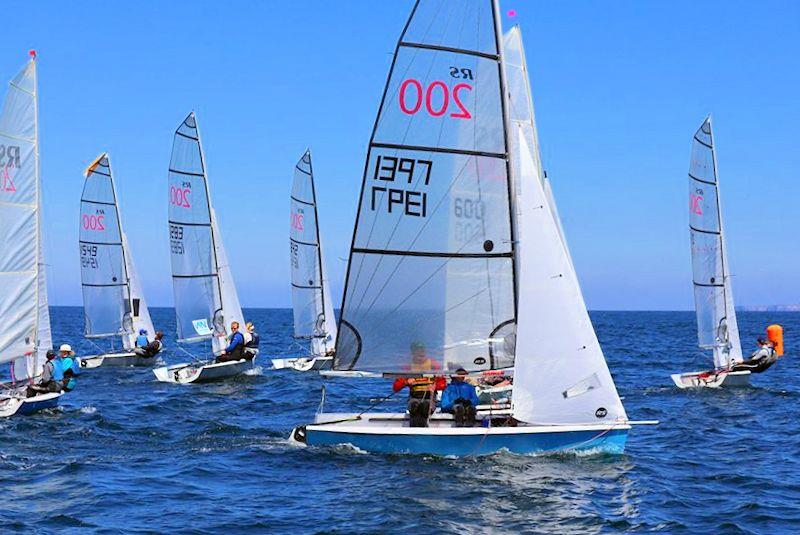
<point>460,399</point>
<point>150,349</point>
<point>70,366</point>
<point>235,349</point>
<point>764,357</point>
<point>52,376</point>
<point>251,346</point>
<point>142,340</point>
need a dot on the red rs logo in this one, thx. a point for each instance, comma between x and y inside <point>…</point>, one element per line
<point>694,204</point>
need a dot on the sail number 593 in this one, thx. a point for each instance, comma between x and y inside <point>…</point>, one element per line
<point>436,98</point>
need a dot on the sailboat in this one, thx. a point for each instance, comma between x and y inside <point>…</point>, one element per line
<point>25,330</point>
<point>206,302</point>
<point>113,303</point>
<point>458,255</point>
<point>717,328</point>
<point>311,296</point>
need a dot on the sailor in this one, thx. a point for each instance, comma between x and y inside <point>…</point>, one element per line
<point>142,340</point>
<point>251,347</point>
<point>235,349</point>
<point>150,349</point>
<point>422,390</point>
<point>460,399</point>
<point>52,376</point>
<point>764,357</point>
<point>69,365</point>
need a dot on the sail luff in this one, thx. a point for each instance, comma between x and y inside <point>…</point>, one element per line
<point>126,335</point>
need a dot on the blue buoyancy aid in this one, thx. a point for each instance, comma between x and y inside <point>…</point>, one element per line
<point>142,340</point>
<point>70,369</point>
<point>57,371</point>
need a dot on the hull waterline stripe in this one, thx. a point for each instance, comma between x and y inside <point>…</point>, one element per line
<point>390,252</point>
<point>438,149</point>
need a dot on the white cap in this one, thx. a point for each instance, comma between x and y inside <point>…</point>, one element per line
<point>65,348</point>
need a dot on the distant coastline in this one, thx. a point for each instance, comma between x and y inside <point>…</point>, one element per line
<point>769,308</point>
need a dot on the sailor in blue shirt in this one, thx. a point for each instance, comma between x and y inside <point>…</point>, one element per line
<point>460,399</point>
<point>70,366</point>
<point>142,340</point>
<point>235,349</point>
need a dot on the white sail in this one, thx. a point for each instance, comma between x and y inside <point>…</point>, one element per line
<point>522,116</point>
<point>25,329</point>
<point>560,373</point>
<point>112,307</point>
<point>311,299</point>
<point>140,313</point>
<point>431,264</point>
<point>205,295</point>
<point>717,328</point>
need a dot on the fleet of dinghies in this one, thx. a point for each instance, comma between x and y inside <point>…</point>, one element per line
<point>458,264</point>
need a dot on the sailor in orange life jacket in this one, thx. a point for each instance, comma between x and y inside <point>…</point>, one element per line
<point>422,390</point>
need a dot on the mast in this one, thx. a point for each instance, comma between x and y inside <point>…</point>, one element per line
<point>125,274</point>
<point>319,241</point>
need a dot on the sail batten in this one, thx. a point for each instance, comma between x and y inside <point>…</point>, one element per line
<point>206,302</point>
<point>717,327</point>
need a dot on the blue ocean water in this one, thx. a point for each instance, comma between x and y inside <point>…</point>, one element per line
<point>128,454</point>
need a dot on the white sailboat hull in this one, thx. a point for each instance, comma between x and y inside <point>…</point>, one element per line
<point>126,358</point>
<point>711,379</point>
<point>390,433</point>
<point>303,364</point>
<point>19,405</point>
<point>186,372</point>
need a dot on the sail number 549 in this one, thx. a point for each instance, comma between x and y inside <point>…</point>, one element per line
<point>436,97</point>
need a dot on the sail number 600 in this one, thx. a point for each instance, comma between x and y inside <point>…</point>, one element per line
<point>412,96</point>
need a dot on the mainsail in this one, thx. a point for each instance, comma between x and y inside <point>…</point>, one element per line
<point>311,298</point>
<point>716,318</point>
<point>432,258</point>
<point>112,299</point>
<point>25,329</point>
<point>206,302</point>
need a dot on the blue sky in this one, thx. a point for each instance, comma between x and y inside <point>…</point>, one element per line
<point>619,88</point>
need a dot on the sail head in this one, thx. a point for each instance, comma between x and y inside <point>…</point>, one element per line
<point>431,265</point>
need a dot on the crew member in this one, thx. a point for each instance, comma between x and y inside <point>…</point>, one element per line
<point>142,340</point>
<point>764,357</point>
<point>460,399</point>
<point>251,346</point>
<point>52,376</point>
<point>151,349</point>
<point>235,349</point>
<point>70,366</point>
<point>422,390</point>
